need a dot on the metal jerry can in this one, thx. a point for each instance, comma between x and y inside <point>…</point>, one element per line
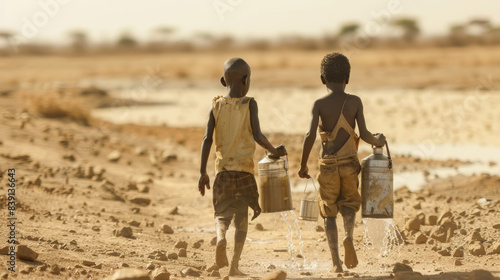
<point>377,185</point>
<point>275,194</point>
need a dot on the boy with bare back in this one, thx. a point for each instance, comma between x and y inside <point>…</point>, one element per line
<point>234,119</point>
<point>335,116</point>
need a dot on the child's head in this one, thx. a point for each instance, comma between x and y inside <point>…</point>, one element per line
<point>335,68</point>
<point>236,73</point>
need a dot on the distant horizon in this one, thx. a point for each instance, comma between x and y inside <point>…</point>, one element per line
<point>50,21</point>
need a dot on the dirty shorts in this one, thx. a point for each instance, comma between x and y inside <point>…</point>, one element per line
<point>234,192</point>
<point>338,185</point>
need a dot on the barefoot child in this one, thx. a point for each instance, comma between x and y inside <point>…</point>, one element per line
<point>337,114</point>
<point>234,119</point>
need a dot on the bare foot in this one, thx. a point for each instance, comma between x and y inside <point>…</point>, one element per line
<point>350,258</point>
<point>234,271</point>
<point>220,254</point>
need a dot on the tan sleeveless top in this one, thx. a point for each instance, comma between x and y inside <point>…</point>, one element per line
<point>350,147</point>
<point>234,143</point>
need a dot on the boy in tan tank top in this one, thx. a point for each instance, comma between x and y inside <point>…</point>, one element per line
<point>234,119</point>
<point>335,116</point>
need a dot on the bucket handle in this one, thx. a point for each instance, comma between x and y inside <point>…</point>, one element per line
<point>315,189</point>
<point>388,154</point>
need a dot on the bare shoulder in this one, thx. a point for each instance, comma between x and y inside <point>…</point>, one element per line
<point>354,99</point>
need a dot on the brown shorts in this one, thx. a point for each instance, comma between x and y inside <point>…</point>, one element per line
<point>338,185</point>
<point>233,192</point>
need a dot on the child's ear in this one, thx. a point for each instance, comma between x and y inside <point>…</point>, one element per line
<point>223,82</point>
<point>323,79</point>
<point>245,80</point>
<point>347,79</point>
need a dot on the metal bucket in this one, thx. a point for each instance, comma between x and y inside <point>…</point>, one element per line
<point>275,194</point>
<point>309,209</point>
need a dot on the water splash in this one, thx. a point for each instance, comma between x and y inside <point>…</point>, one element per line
<point>383,235</point>
<point>289,236</point>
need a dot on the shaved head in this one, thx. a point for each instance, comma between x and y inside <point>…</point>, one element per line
<point>236,70</point>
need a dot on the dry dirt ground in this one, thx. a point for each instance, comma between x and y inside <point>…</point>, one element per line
<point>95,199</point>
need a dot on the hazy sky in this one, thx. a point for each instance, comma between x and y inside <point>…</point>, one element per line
<point>44,20</point>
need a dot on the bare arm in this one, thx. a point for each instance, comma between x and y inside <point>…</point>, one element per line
<point>258,136</point>
<point>366,135</point>
<point>204,180</point>
<point>309,142</point>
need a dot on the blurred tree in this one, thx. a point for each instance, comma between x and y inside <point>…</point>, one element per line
<point>126,40</point>
<point>6,36</point>
<point>164,32</point>
<point>482,25</point>
<point>348,29</point>
<point>79,40</point>
<point>458,35</point>
<point>409,27</point>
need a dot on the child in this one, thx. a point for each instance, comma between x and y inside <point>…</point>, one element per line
<point>337,114</point>
<point>234,118</point>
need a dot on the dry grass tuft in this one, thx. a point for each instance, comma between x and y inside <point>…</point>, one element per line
<point>54,106</point>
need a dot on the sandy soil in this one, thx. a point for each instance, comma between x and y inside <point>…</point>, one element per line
<point>79,185</point>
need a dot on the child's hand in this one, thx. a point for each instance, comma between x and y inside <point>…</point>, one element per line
<point>381,139</point>
<point>203,182</point>
<point>281,151</point>
<point>303,172</point>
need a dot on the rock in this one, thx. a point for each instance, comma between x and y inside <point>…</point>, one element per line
<point>150,266</point>
<point>458,262</point>
<point>421,238</point>
<point>495,248</point>
<point>190,272</point>
<point>174,211</point>
<point>475,212</point>
<point>4,250</point>
<point>181,245</point>
<point>421,217</point>
<point>197,245</point>
<point>173,256</point>
<point>161,273</point>
<point>55,269</point>
<point>130,274</point>
<point>214,273</point>
<point>168,230</point>
<point>271,267</point>
<point>417,206</point>
<point>444,253</point>
<point>458,253</point>
<point>480,275</point>
<point>125,232</point>
<point>140,151</point>
<point>96,228</point>
<point>444,215</point>
<point>476,236</point>
<point>26,254</point>
<point>114,156</point>
<point>319,229</point>
<point>496,226</point>
<point>143,201</point>
<point>259,227</point>
<point>398,267</point>
<point>413,224</point>
<point>134,223</point>
<point>477,249</point>
<point>182,253</point>
<point>225,278</point>
<point>277,275</point>
<point>89,172</point>
<point>88,263</point>
<point>167,157</point>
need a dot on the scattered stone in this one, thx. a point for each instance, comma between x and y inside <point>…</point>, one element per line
<point>476,236</point>
<point>88,263</point>
<point>173,256</point>
<point>174,211</point>
<point>131,186</point>
<point>96,228</point>
<point>150,266</point>
<point>134,223</point>
<point>463,231</point>
<point>398,267</point>
<point>114,156</point>
<point>421,217</point>
<point>459,252</point>
<point>476,212</point>
<point>214,273</point>
<point>408,275</point>
<point>417,206</point>
<point>181,245</point>
<point>142,188</point>
<point>306,273</point>
<point>130,274</point>
<point>496,226</point>
<point>113,253</point>
<point>271,267</point>
<point>413,224</point>
<point>25,253</point>
<point>444,253</point>
<point>55,269</point>
<point>89,172</point>
<point>190,272</point>
<point>197,245</point>
<point>143,201</point>
<point>166,157</point>
<point>168,230</point>
<point>480,275</point>
<point>4,250</point>
<point>124,231</point>
<point>182,253</point>
<point>259,227</point>
<point>161,273</point>
<point>140,151</point>
<point>477,249</point>
<point>421,238</point>
<point>319,229</point>
<point>277,275</point>
<point>458,262</point>
<point>495,248</point>
<point>444,215</point>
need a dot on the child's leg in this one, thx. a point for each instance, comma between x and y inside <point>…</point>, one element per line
<point>333,243</point>
<point>221,226</point>
<point>240,235</point>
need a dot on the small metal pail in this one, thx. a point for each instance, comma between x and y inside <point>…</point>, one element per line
<point>309,209</point>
